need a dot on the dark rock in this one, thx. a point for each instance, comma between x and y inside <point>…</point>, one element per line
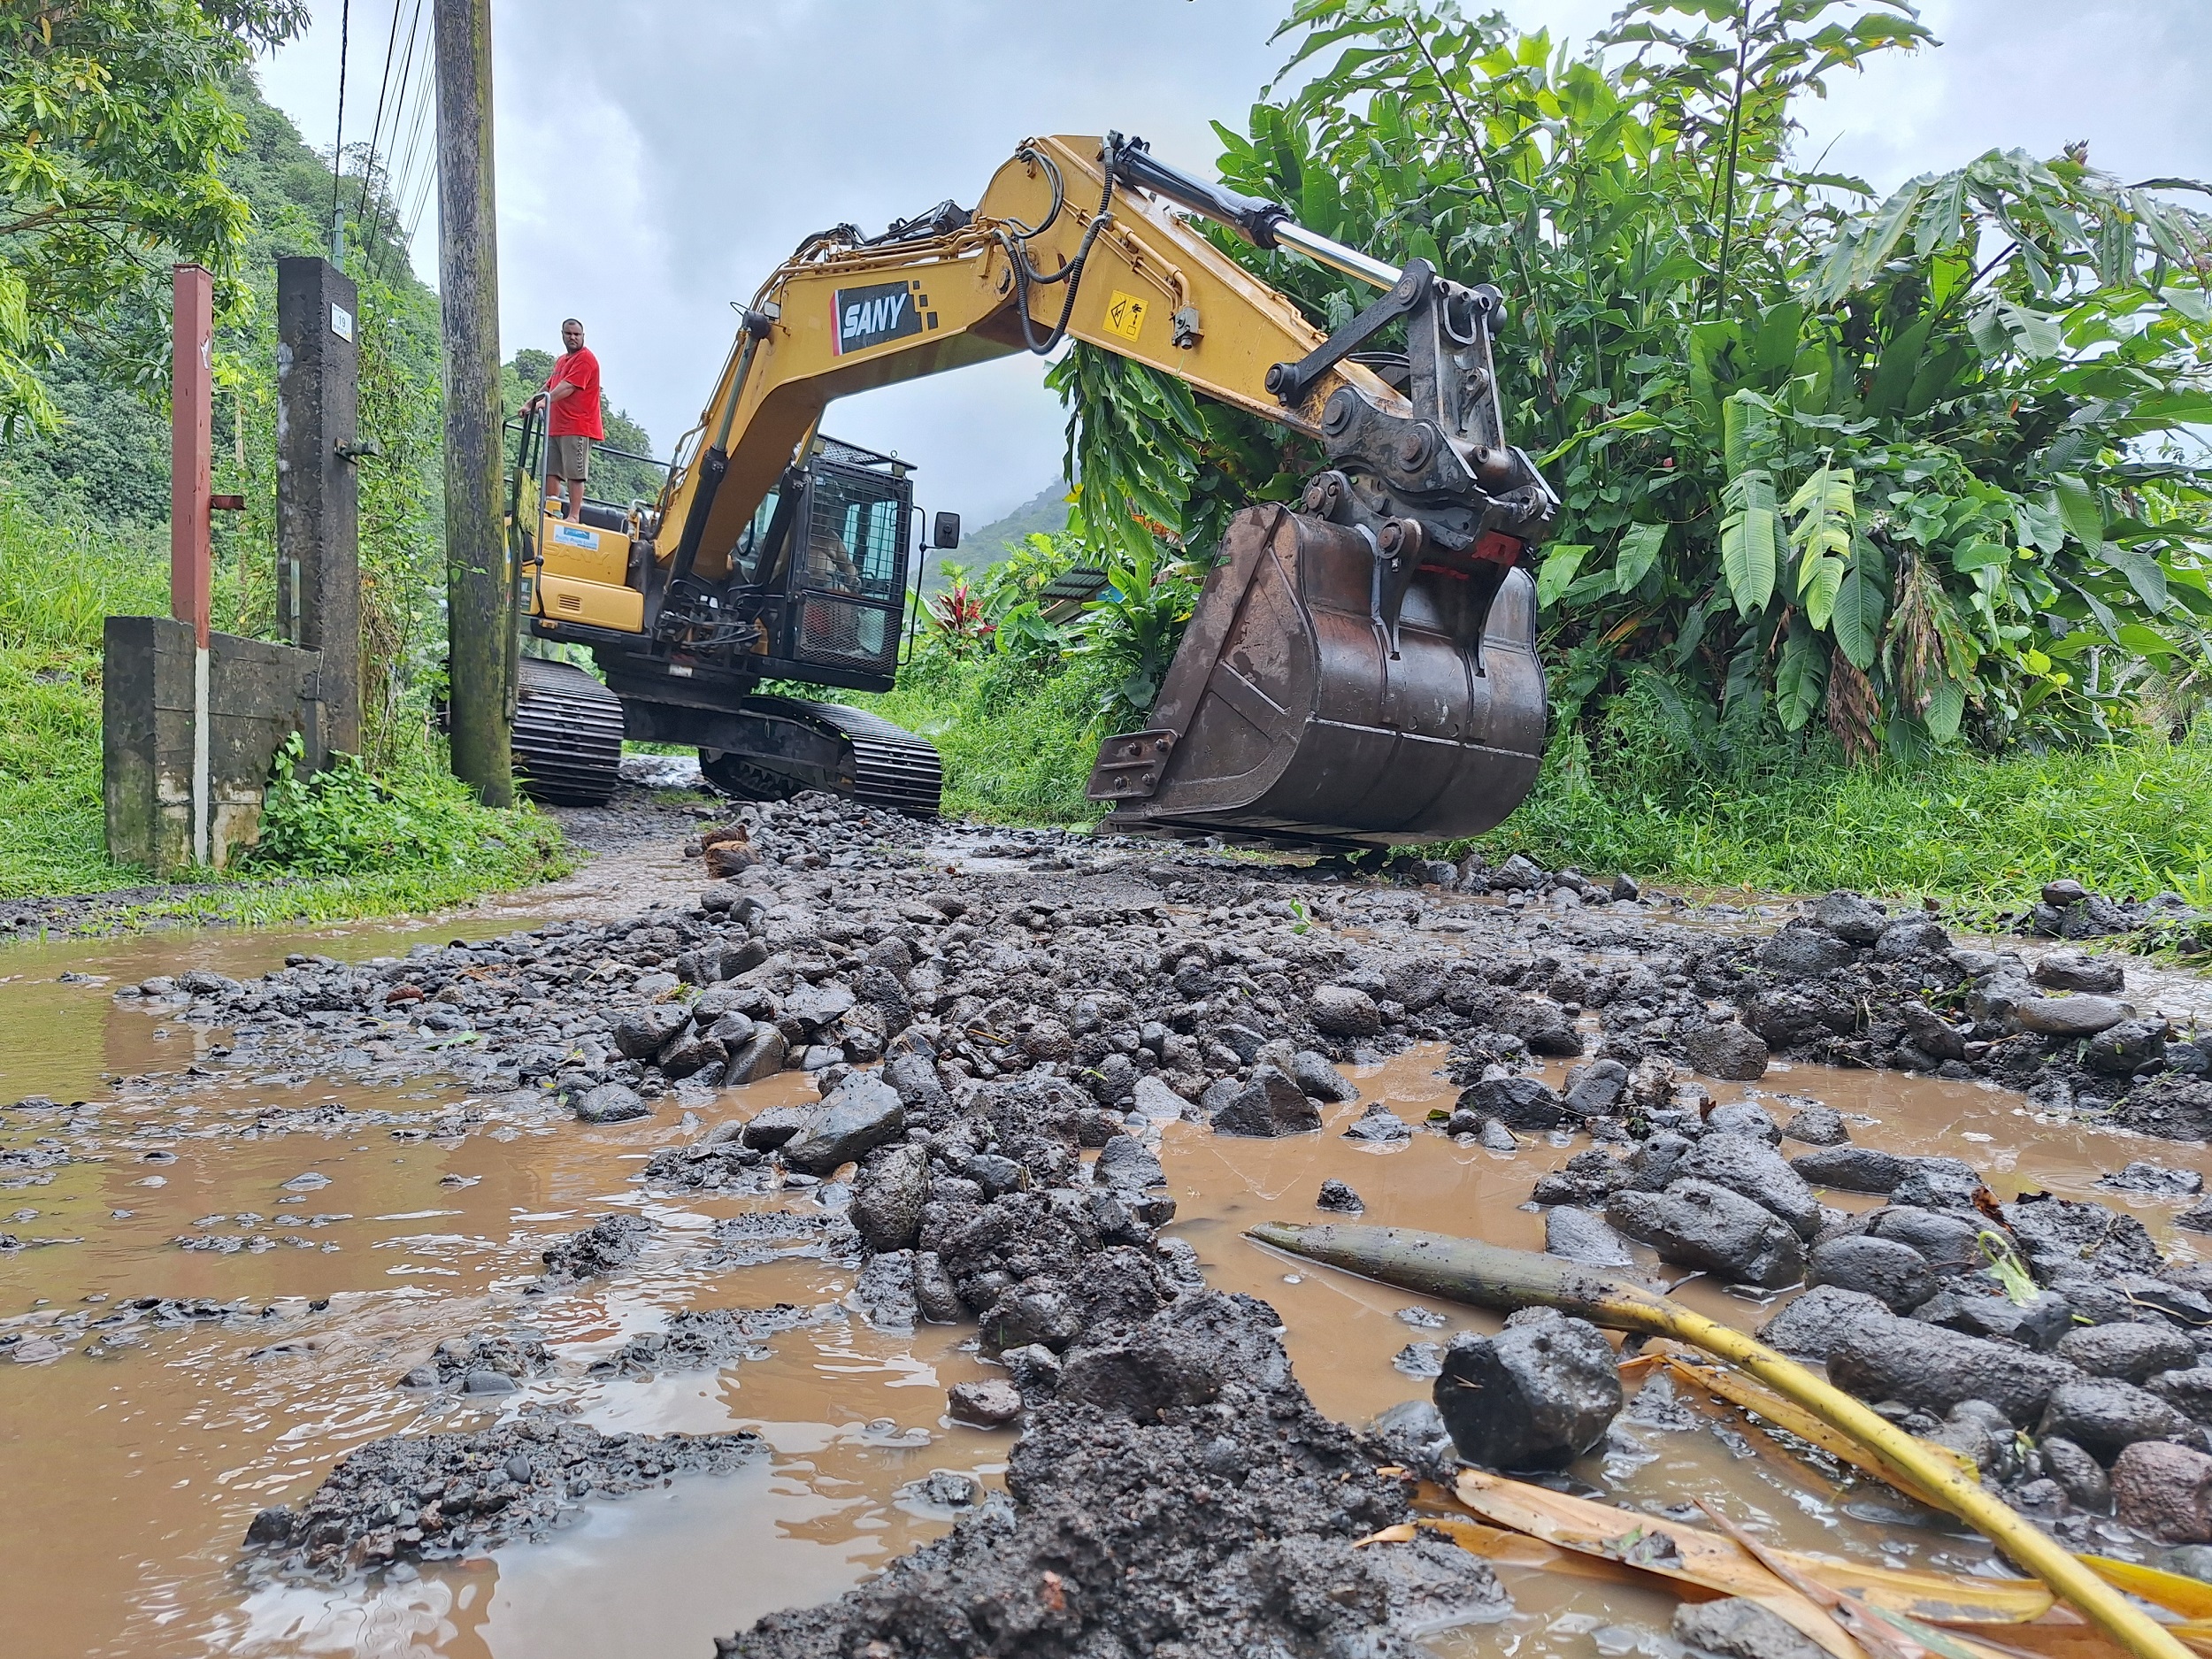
<point>1340,1010</point>
<point>1336,1196</point>
<point>1852,917</point>
<point>609,1103</point>
<point>1938,1184</point>
<point>1125,1162</point>
<point>2128,1048</point>
<point>1657,1160</point>
<point>2078,1475</point>
<point>1951,1243</point>
<point>1818,1127</point>
<point>934,1293</point>
<point>1734,1627</point>
<point>2067,969</point>
<point>1380,1125</point>
<point>2132,1353</point>
<point>2104,1416</point>
<point>1271,1104</point>
<point>1811,1326</point>
<point>884,1293</point>
<point>1743,1117</point>
<point>1597,1088</point>
<point>1526,1103</point>
<point>1975,1307</point>
<point>1577,1235</point>
<point>2063,892</point>
<point>1925,1365</point>
<point>773,1126</point>
<point>2164,1490</point>
<point>1754,1170</point>
<point>1537,1395</point>
<point>1697,1224</point>
<point>986,1404</point>
<point>609,1242</point>
<point>644,1033</point>
<point>1544,1025</point>
<point>889,1194</point>
<point>1624,889</point>
<point>762,1056</point>
<point>860,1115</point>
<point>2156,1179</point>
<point>2061,1236</point>
<point>477,1499</point>
<point>1853,1169</point>
<point>1797,953</point>
<point>1895,1273</point>
<point>2189,1390</point>
<point>1313,1074</point>
<point>2176,1108</point>
<point>2067,1018</point>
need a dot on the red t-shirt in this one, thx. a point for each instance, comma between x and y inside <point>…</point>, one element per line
<point>577,415</point>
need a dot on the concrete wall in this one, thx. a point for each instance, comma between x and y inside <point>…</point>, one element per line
<point>259,694</point>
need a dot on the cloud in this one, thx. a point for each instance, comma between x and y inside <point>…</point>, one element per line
<point>656,160</point>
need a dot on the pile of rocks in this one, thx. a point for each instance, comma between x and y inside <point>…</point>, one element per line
<point>2069,911</point>
<point>1179,1495</point>
<point>432,1497</point>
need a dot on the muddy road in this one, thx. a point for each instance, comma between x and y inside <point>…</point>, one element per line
<point>255,1225</point>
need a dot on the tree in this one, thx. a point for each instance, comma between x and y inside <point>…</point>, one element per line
<point>1908,469</point>
<point>113,128</point>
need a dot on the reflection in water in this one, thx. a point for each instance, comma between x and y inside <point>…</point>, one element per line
<point>132,1472</point>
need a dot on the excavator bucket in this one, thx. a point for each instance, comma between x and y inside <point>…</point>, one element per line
<point>1305,705</point>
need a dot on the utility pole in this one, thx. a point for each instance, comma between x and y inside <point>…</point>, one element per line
<point>478,618</point>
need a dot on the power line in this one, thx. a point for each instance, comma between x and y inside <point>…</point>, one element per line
<point>376,128</point>
<point>338,144</point>
<point>376,209</point>
<point>401,187</point>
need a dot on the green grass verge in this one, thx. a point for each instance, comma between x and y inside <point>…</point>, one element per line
<point>2133,817</point>
<point>349,847</point>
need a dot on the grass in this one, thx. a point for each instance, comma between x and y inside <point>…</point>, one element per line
<point>418,840</point>
<point>2130,817</point>
<point>1018,734</point>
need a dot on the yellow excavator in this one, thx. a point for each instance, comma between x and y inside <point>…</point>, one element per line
<point>1360,667</point>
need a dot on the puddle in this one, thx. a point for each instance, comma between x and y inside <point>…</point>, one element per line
<point>133,1474</point>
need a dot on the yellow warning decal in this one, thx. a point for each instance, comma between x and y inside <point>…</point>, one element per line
<point>1124,315</point>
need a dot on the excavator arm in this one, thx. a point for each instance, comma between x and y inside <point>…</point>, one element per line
<point>1078,238</point>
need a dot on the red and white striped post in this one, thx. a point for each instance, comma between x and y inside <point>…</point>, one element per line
<point>191,485</point>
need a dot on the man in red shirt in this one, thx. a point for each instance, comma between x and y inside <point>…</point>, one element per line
<point>572,389</point>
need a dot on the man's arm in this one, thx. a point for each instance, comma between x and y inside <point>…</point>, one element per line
<point>539,399</point>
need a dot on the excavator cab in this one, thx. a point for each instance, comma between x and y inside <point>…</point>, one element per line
<point>822,568</point>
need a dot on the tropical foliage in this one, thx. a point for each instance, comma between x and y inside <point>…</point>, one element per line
<point>1912,469</point>
<point>114,127</point>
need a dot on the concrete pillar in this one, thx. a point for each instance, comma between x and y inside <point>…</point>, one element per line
<point>318,561</point>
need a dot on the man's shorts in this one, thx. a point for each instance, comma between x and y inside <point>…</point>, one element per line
<point>569,457</point>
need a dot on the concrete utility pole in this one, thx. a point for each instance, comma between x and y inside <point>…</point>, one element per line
<point>318,563</point>
<point>477,604</point>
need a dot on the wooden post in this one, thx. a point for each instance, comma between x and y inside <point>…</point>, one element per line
<point>191,485</point>
<point>478,612</point>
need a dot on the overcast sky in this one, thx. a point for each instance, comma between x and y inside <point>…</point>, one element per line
<point>656,159</point>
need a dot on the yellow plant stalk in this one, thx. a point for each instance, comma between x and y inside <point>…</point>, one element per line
<point>1491,1276</point>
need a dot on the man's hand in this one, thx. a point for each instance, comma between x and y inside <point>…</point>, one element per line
<point>536,402</point>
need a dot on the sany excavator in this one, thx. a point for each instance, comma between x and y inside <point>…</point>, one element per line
<point>1359,668</point>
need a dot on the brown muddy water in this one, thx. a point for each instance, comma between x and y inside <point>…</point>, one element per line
<point>132,1456</point>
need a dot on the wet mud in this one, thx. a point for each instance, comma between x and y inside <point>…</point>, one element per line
<point>379,1254</point>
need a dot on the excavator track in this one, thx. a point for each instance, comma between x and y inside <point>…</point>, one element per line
<point>891,766</point>
<point>877,763</point>
<point>567,736</point>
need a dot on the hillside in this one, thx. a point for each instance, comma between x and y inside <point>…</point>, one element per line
<point>1043,514</point>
